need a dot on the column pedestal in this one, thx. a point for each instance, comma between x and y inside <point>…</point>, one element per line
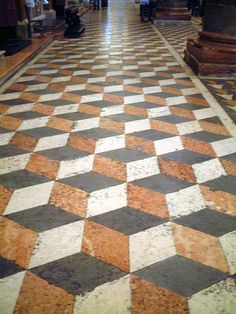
<point>173,10</point>
<point>214,52</point>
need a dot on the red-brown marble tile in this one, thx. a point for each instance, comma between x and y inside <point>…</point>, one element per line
<point>43,165</point>
<point>110,168</point>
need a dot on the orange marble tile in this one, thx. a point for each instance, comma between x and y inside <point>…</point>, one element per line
<point>144,145</point>
<point>110,168</point>
<point>182,112</point>
<point>5,195</point>
<point>213,128</point>
<point>89,109</point>
<point>197,101</point>
<point>155,99</point>
<point>84,143</point>
<point>229,166</point>
<point>106,244</point>
<point>69,198</point>
<point>199,247</point>
<point>219,200</point>
<point>24,141</point>
<point>56,87</point>
<point>18,87</point>
<point>43,165</point>
<point>172,90</point>
<point>176,169</point>
<point>147,298</point>
<point>60,124</point>
<point>3,108</point>
<point>135,111</point>
<point>185,83</point>
<point>198,146</point>
<point>30,96</point>
<point>16,242</point>
<point>164,126</point>
<point>10,123</point>
<point>112,125</point>
<point>148,201</point>
<point>94,88</point>
<point>133,89</point>
<point>44,79</point>
<point>37,296</point>
<point>44,109</point>
<point>114,98</point>
<point>65,72</point>
<point>71,97</point>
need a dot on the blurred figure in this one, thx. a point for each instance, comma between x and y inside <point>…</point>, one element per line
<point>104,4</point>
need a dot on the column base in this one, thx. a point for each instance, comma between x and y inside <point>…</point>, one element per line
<point>173,14</point>
<point>212,54</point>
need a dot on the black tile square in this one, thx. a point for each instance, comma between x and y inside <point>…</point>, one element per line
<point>8,268</point>
<point>186,156</point>
<point>11,150</point>
<point>206,136</point>
<point>58,102</point>
<point>172,119</point>
<point>97,133</point>
<point>181,275</point>
<point>209,221</point>
<point>231,157</point>
<point>83,92</point>
<point>91,181</point>
<point>124,117</point>
<point>27,115</point>
<point>162,183</point>
<point>75,116</point>
<point>42,132</point>
<point>78,273</point>
<point>43,218</point>
<point>145,105</point>
<point>21,179</point>
<point>123,93</point>
<point>14,102</point>
<point>63,153</point>
<point>3,130</point>
<point>102,103</point>
<point>128,220</point>
<point>125,155</point>
<point>152,135</point>
<point>226,184</point>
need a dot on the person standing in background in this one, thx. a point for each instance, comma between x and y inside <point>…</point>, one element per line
<point>104,4</point>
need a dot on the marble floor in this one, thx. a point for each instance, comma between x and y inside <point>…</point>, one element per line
<point>117,179</point>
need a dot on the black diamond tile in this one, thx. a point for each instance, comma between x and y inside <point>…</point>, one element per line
<point>226,184</point>
<point>21,179</point>
<point>172,119</point>
<point>186,156</point>
<point>3,130</point>
<point>102,103</point>
<point>78,273</point>
<point>188,106</point>
<point>152,135</point>
<point>97,133</point>
<point>209,221</point>
<point>14,102</point>
<point>181,275</point>
<point>83,92</point>
<point>91,181</point>
<point>163,184</point>
<point>123,93</point>
<point>26,115</point>
<point>128,220</point>
<point>125,155</point>
<point>11,150</point>
<point>206,136</point>
<point>58,102</point>
<point>63,153</point>
<point>8,268</point>
<point>124,117</point>
<point>75,116</point>
<point>146,105</point>
<point>44,91</point>
<point>42,132</point>
<point>43,218</point>
<point>231,157</point>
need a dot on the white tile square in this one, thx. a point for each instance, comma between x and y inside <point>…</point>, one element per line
<point>108,111</point>
<point>26,198</point>
<point>224,147</point>
<point>57,243</point>
<point>142,168</point>
<point>110,143</point>
<point>176,100</point>
<point>185,201</point>
<point>151,246</point>
<point>228,244</point>
<point>85,124</point>
<point>65,109</point>
<point>6,137</point>
<point>90,98</point>
<point>34,123</point>
<point>204,113</point>
<point>133,99</point>
<point>168,145</point>
<point>208,170</point>
<point>51,142</point>
<point>188,127</point>
<point>158,112</point>
<point>137,125</point>
<point>20,108</point>
<point>107,199</point>
<point>13,163</point>
<point>47,97</point>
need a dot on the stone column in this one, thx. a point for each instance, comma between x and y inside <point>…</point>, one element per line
<point>172,10</point>
<point>214,52</point>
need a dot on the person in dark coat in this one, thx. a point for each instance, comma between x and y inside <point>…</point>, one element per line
<point>104,4</point>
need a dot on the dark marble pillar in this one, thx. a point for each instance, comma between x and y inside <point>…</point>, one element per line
<point>172,10</point>
<point>214,52</point>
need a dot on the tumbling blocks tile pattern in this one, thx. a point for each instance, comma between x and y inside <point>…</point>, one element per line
<point>117,181</point>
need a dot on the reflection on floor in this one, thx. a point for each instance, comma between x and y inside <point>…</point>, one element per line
<point>117,180</point>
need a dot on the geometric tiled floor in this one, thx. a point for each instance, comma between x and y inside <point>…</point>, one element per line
<point>117,180</point>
